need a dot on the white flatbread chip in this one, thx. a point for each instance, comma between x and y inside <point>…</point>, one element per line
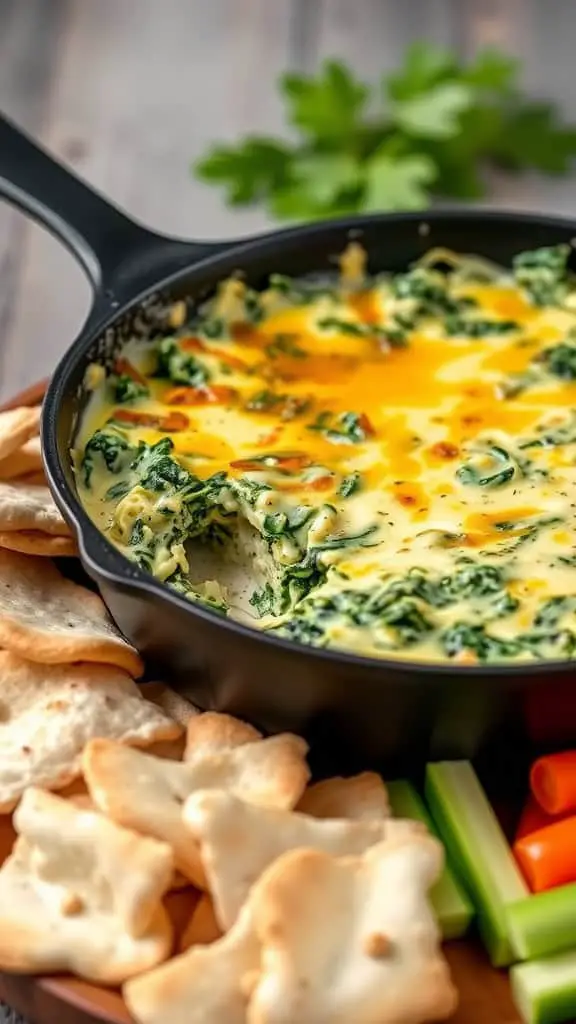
<point>49,712</point>
<point>16,427</point>
<point>213,732</point>
<point>172,702</point>
<point>30,507</point>
<point>209,984</point>
<point>360,798</point>
<point>238,841</point>
<point>147,793</point>
<point>23,461</point>
<point>353,940</point>
<point>80,894</point>
<point>49,619</point>
<point>31,542</point>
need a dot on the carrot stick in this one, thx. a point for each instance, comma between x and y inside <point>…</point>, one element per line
<point>547,858</point>
<point>553,782</point>
<point>533,818</point>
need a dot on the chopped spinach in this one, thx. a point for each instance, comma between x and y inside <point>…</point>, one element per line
<point>303,291</point>
<point>316,614</point>
<point>549,615</point>
<point>550,436</point>
<point>394,334</point>
<point>285,345</point>
<point>117,490</point>
<point>275,524</point>
<point>264,600</point>
<point>349,540</point>
<point>430,291</point>
<point>543,274</point>
<point>463,637</point>
<point>263,401</point>
<point>288,406</point>
<point>178,366</point>
<point>346,428</point>
<point>350,485</point>
<point>125,389</point>
<point>471,327</point>
<point>212,327</point>
<point>490,467</point>
<point>560,360</point>
<point>111,447</point>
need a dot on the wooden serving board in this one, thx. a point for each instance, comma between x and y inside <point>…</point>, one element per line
<point>484,992</point>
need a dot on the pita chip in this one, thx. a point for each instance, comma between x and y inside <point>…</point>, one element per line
<point>213,732</point>
<point>202,928</point>
<point>80,894</point>
<point>31,542</point>
<point>49,712</point>
<point>16,427</point>
<point>49,619</point>
<point>238,841</point>
<point>22,462</point>
<point>207,985</point>
<point>172,702</point>
<point>147,793</point>
<point>30,507</point>
<point>352,940</point>
<point>359,798</point>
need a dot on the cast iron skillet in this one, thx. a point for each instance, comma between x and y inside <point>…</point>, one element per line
<point>364,711</point>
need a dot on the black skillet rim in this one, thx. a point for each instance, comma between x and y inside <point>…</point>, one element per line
<point>117,569</point>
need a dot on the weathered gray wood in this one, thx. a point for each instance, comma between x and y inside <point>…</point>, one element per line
<point>142,89</point>
<point>25,74</point>
<point>129,92</point>
<point>372,34</point>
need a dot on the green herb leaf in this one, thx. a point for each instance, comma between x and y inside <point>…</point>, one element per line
<point>249,171</point>
<point>435,114</point>
<point>397,183</point>
<point>424,66</point>
<point>326,107</point>
<point>431,131</point>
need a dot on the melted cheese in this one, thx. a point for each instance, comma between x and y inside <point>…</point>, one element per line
<point>431,420</point>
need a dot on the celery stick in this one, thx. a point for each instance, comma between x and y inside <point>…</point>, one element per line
<point>450,903</point>
<point>544,991</point>
<point>544,923</point>
<point>478,848</point>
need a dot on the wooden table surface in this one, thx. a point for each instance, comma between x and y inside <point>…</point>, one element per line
<point>129,92</point>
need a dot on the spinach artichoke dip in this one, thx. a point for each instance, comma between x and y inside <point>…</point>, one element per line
<point>382,464</point>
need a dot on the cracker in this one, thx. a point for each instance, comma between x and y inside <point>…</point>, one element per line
<point>49,619</point>
<point>351,941</point>
<point>212,732</point>
<point>172,702</point>
<point>30,507</point>
<point>30,542</point>
<point>25,460</point>
<point>86,803</point>
<point>227,743</point>
<point>207,985</point>
<point>80,894</point>
<point>16,427</point>
<point>49,712</point>
<point>359,798</point>
<point>147,793</point>
<point>202,928</point>
<point>38,479</point>
<point>238,841</point>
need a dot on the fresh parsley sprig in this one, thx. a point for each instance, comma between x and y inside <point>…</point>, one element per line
<point>438,125</point>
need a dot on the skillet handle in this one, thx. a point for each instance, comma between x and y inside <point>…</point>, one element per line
<point>120,257</point>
